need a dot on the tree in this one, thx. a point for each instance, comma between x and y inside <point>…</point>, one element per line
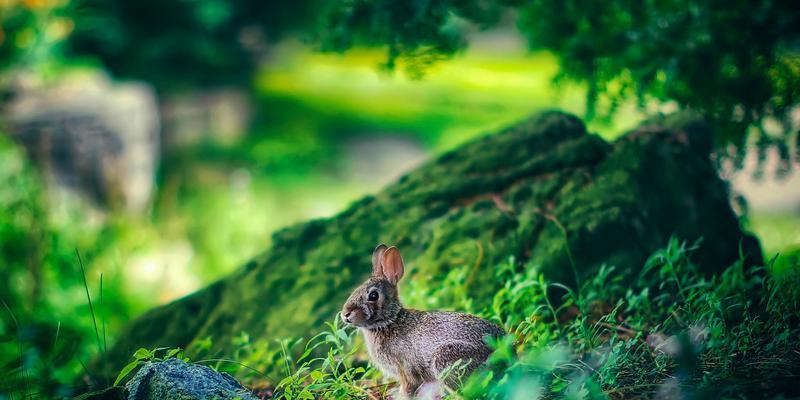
<point>736,62</point>
<point>178,44</point>
<point>31,34</point>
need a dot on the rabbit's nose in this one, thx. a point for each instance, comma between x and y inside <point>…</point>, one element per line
<point>346,316</point>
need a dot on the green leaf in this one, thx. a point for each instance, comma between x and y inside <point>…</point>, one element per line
<point>316,375</point>
<point>143,354</point>
<point>306,354</point>
<point>127,370</point>
<point>285,381</point>
<point>173,352</point>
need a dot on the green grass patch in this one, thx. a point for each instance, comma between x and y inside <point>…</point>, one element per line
<point>674,332</point>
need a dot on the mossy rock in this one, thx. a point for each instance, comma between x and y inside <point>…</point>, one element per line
<point>545,191</point>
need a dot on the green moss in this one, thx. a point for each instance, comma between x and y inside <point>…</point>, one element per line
<point>546,191</point>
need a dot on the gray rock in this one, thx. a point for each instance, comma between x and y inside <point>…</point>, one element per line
<point>176,380</point>
<point>91,137</point>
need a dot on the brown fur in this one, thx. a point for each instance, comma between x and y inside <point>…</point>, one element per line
<point>413,346</point>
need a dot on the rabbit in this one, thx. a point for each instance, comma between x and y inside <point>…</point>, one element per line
<point>413,346</point>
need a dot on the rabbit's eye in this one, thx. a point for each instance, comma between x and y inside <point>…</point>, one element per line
<point>373,295</point>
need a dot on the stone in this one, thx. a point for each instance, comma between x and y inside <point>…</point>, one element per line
<point>174,379</point>
<point>91,137</point>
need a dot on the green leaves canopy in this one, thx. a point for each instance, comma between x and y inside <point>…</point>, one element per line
<point>734,61</point>
<point>177,44</point>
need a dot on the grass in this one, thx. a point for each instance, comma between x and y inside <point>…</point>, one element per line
<point>669,332</point>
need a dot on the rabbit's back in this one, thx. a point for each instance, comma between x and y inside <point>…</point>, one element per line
<point>436,328</point>
<point>427,342</point>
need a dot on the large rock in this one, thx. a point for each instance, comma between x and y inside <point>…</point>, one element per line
<point>544,191</point>
<point>174,379</point>
<point>90,136</point>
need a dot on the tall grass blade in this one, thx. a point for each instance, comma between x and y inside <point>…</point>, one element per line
<point>89,299</point>
<point>23,371</point>
<point>103,315</point>
<point>91,306</point>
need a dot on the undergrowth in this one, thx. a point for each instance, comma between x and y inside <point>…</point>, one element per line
<point>670,332</point>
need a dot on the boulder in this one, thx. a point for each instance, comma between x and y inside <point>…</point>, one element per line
<point>91,137</point>
<point>174,379</point>
<point>545,191</point>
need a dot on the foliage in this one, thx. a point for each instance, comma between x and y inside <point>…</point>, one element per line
<point>179,44</point>
<point>32,33</point>
<point>32,37</point>
<point>418,33</point>
<point>36,346</point>
<point>331,375</point>
<point>675,332</point>
<point>734,62</point>
<point>48,329</point>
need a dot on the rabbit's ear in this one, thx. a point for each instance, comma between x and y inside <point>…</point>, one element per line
<point>393,267</point>
<point>377,257</point>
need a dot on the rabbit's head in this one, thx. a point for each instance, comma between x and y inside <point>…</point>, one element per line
<point>375,303</point>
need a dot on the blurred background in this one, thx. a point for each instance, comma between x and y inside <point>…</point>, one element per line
<point>166,140</point>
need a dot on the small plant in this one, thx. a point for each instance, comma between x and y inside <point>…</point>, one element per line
<point>331,374</point>
<point>142,356</point>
